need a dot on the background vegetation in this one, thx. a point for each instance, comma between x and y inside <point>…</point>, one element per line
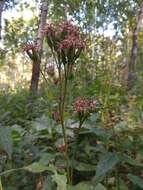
<point>106,151</point>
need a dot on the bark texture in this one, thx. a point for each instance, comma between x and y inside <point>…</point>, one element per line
<point>134,50</point>
<point>1,10</point>
<point>39,43</point>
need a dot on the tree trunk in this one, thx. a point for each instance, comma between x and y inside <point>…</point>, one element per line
<point>39,43</point>
<point>132,63</point>
<point>1,10</point>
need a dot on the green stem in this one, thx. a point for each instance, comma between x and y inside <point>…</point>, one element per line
<point>43,76</point>
<point>10,171</point>
<point>63,90</point>
<point>106,181</point>
<point>117,175</point>
<point>117,178</point>
<point>1,188</point>
<point>76,144</point>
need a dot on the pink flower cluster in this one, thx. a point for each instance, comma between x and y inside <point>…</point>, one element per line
<point>65,35</point>
<point>83,106</point>
<point>69,28</point>
<point>30,46</point>
<point>49,30</point>
<point>71,42</point>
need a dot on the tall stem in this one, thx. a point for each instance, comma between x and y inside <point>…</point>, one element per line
<point>1,188</point>
<point>117,178</point>
<point>76,143</point>
<point>117,172</point>
<point>63,90</point>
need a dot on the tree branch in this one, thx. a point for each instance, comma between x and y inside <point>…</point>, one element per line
<point>1,10</point>
<point>39,43</point>
<point>133,57</point>
<point>42,23</point>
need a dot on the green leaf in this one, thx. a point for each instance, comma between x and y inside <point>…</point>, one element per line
<point>37,167</point>
<point>122,126</point>
<point>46,158</point>
<point>99,187</point>
<point>80,166</point>
<point>60,180</point>
<point>98,132</point>
<point>87,186</point>
<point>83,186</point>
<point>41,123</point>
<point>136,180</point>
<point>6,140</point>
<point>123,186</point>
<point>48,184</point>
<point>107,162</point>
<point>93,118</point>
<point>131,161</point>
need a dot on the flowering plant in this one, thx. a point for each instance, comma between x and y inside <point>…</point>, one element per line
<point>65,40</point>
<point>66,44</point>
<point>83,108</point>
<point>31,49</point>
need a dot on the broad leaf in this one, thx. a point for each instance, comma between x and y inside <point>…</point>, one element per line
<point>87,186</point>
<point>6,140</point>
<point>46,158</point>
<point>136,180</point>
<point>122,126</point>
<point>123,186</point>
<point>80,166</point>
<point>48,184</point>
<point>99,187</point>
<point>37,167</point>
<point>41,123</point>
<point>98,132</point>
<point>131,161</point>
<point>60,180</point>
<point>107,162</point>
<point>93,118</point>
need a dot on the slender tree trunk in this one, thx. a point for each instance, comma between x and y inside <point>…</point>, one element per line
<point>1,10</point>
<point>132,63</point>
<point>39,43</point>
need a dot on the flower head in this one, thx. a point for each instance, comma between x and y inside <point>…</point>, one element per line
<point>65,39</point>
<point>31,49</point>
<point>83,106</point>
<point>30,46</point>
<point>92,105</point>
<point>71,42</point>
<point>49,30</point>
<point>68,28</point>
